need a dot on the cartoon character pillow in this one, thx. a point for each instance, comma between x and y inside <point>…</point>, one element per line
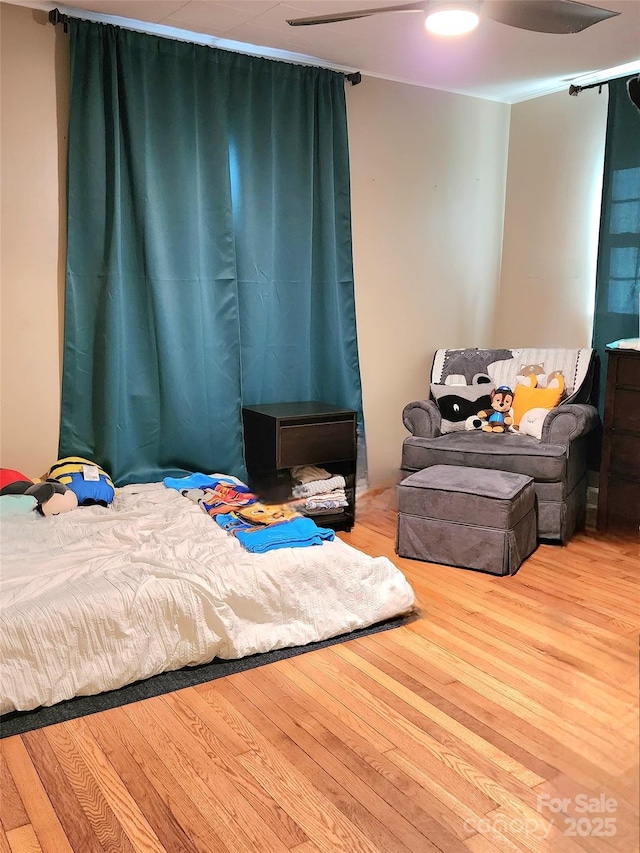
<point>20,495</point>
<point>91,483</point>
<point>459,402</point>
<point>530,396</point>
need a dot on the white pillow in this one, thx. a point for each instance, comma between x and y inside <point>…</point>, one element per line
<point>532,421</point>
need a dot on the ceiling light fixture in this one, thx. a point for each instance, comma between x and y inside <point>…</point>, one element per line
<point>452,19</point>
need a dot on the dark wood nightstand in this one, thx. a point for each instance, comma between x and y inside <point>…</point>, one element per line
<point>619,485</point>
<point>280,436</point>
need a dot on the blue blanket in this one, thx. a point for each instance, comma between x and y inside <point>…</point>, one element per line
<point>297,533</point>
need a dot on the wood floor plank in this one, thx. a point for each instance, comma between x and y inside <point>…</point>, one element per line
<point>271,747</point>
<point>213,722</point>
<point>451,733</point>
<point>531,829</point>
<point>507,644</point>
<point>454,812</point>
<point>560,655</point>
<point>234,833</point>
<point>156,811</point>
<point>220,775</point>
<point>493,780</point>
<point>606,588</point>
<point>196,825</point>
<point>72,816</point>
<point>546,691</point>
<point>379,655</point>
<point>278,821</point>
<point>89,793</point>
<point>318,701</point>
<point>523,705</point>
<point>346,735</point>
<point>575,795</point>
<point>39,807</point>
<point>12,811</point>
<point>490,840</point>
<point>321,820</point>
<point>446,721</point>
<point>443,761</point>
<point>23,840</point>
<point>114,790</point>
<point>412,827</point>
<point>548,742</point>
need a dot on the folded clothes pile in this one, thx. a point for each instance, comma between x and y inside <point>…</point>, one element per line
<point>236,509</point>
<point>318,492</point>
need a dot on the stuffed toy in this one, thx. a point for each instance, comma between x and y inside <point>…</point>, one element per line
<point>12,500</point>
<point>527,370</point>
<point>531,396</point>
<point>8,476</point>
<point>498,418</point>
<point>13,505</point>
<point>91,483</point>
<point>47,498</point>
<point>53,498</point>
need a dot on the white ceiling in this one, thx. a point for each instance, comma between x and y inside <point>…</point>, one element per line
<point>495,62</point>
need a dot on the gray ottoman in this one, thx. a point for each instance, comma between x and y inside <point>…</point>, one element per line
<point>468,517</point>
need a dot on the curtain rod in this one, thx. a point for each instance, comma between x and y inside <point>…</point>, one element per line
<point>575,90</point>
<point>57,17</point>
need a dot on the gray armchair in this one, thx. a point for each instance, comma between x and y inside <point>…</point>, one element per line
<point>557,461</point>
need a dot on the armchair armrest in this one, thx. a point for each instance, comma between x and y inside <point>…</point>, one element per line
<point>422,418</point>
<point>569,421</point>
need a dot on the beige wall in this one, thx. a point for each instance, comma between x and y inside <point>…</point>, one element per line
<point>33,106</point>
<point>428,174</point>
<point>552,215</point>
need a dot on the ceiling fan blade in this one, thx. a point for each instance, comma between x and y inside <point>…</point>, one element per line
<point>545,16</point>
<point>352,16</point>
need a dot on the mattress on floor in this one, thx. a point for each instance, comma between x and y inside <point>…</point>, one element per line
<point>100,597</point>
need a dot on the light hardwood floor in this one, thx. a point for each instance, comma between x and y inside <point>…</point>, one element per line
<point>461,732</point>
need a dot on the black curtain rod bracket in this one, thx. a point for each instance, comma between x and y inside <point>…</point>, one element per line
<point>354,78</point>
<point>56,17</point>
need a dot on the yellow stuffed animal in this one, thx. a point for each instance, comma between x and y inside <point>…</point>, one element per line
<point>91,483</point>
<point>529,396</point>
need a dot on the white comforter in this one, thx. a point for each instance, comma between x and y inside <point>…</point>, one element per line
<point>98,598</point>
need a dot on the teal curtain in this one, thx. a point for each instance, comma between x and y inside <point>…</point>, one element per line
<point>209,250</point>
<point>618,269</point>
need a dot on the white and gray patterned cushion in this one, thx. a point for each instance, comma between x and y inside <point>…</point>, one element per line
<point>572,363</point>
<point>468,362</point>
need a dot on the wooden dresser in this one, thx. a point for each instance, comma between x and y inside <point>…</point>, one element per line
<point>619,486</point>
